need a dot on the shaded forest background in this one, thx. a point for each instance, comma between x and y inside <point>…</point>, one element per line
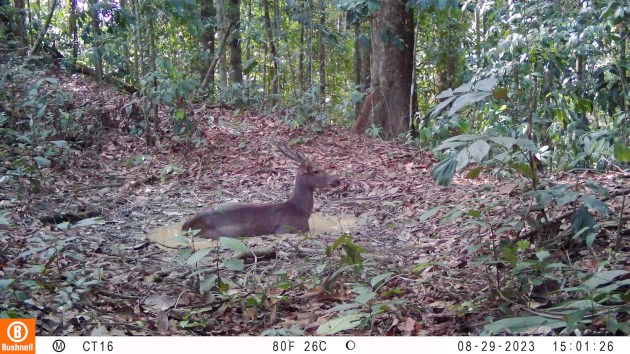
<point>554,70</point>
<point>531,92</point>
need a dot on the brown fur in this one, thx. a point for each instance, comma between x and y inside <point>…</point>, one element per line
<point>239,220</point>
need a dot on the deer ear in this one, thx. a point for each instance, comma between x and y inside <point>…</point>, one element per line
<point>306,166</point>
<point>303,168</point>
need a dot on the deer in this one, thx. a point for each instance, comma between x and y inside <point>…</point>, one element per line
<point>245,220</point>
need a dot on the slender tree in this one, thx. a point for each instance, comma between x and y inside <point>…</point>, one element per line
<point>322,54</point>
<point>233,12</point>
<point>96,37</point>
<point>72,22</point>
<point>222,25</point>
<point>272,49</point>
<point>208,19</point>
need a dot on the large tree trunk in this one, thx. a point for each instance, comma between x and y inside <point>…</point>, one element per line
<point>387,106</point>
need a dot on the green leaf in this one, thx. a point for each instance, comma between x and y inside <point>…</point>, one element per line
<point>60,143</point>
<point>567,197</point>
<point>180,239</point>
<point>523,168</point>
<point>466,87</point>
<point>377,279</point>
<point>541,255</point>
<point>353,254</point>
<point>198,256</point>
<point>595,204</point>
<point>4,283</point>
<point>509,143</point>
<point>615,286</point>
<point>573,319</point>
<point>520,325</point>
<point>42,161</point>
<point>91,221</point>
<point>474,173</point>
<point>481,223</point>
<point>509,254</point>
<point>572,305</point>
<point>64,226</point>
<point>486,84</point>
<point>462,159</point>
<point>364,298</point>
<point>446,144</point>
<point>500,93</point>
<point>444,171</point>
<point>621,152</point>
<point>236,265</point>
<point>595,280</point>
<point>475,213</point>
<point>341,240</point>
<point>466,100</point>
<point>597,188</point>
<point>429,213</point>
<point>543,197</point>
<point>445,94</point>
<point>583,220</point>
<point>438,109</point>
<point>479,150</point>
<point>341,324</point>
<point>233,244</point>
<point>249,65</point>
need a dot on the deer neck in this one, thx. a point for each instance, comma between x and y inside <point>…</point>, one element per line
<point>302,197</point>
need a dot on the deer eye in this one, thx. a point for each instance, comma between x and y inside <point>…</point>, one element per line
<point>316,172</point>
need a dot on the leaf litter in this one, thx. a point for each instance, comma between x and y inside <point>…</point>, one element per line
<point>106,278</point>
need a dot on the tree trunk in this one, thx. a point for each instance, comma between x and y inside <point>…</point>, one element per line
<point>220,53</point>
<point>222,26</point>
<point>301,61</point>
<point>96,27</point>
<point>387,106</point>
<point>208,14</point>
<point>73,30</point>
<point>42,34</point>
<point>322,57</point>
<point>137,55</point>
<point>624,83</point>
<point>357,65</point>
<point>272,49</point>
<point>366,59</point>
<point>236,60</point>
<point>20,21</point>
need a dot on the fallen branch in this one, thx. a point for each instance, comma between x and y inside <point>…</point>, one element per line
<point>72,217</point>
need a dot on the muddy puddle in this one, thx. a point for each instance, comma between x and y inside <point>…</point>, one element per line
<point>170,235</point>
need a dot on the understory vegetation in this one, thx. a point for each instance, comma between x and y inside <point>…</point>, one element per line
<point>501,208</point>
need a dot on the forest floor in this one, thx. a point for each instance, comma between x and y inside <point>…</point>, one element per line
<point>104,277</point>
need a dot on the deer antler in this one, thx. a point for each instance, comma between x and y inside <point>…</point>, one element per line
<point>290,153</point>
